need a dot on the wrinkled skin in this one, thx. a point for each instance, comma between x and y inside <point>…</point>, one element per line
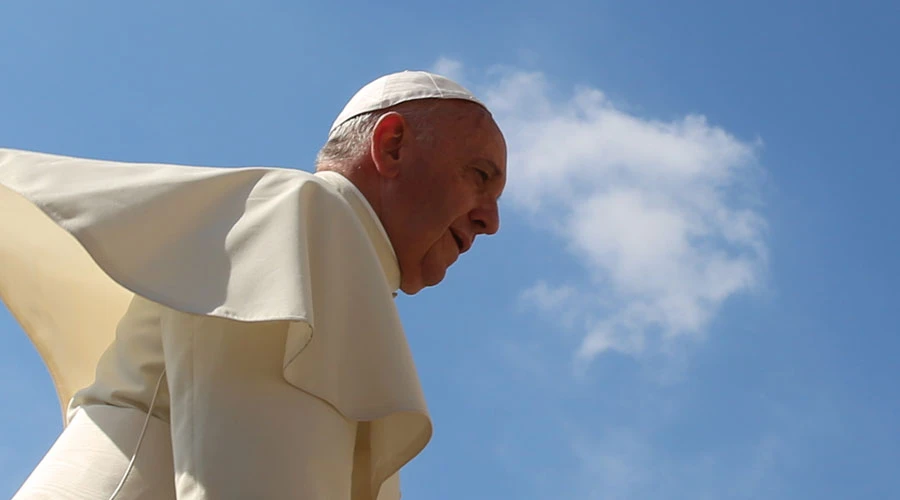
<point>435,195</point>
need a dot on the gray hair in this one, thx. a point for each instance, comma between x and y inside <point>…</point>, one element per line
<point>353,138</point>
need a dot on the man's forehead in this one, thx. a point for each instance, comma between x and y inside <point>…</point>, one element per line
<point>396,88</point>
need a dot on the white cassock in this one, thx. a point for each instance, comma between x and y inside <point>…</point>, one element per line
<point>265,294</point>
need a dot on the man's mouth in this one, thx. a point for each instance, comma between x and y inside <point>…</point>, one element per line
<point>459,241</point>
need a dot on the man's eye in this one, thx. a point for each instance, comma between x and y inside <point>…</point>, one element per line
<point>483,174</point>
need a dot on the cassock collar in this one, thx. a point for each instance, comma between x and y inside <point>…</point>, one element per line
<point>370,221</point>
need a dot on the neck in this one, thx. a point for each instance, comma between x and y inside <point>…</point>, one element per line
<point>364,177</point>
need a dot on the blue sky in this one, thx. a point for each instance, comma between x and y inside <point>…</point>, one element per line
<point>693,294</point>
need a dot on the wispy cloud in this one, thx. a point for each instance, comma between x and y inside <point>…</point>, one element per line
<point>450,68</point>
<point>662,215</point>
<point>626,465</point>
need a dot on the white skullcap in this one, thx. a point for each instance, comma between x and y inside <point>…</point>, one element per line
<point>390,90</point>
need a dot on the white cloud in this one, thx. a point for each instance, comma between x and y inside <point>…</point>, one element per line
<point>548,298</point>
<point>562,302</point>
<point>625,464</point>
<point>450,68</point>
<point>615,469</point>
<point>655,211</point>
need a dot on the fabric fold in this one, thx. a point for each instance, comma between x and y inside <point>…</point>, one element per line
<point>79,237</point>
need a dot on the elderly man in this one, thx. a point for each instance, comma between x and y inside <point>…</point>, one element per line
<point>231,333</point>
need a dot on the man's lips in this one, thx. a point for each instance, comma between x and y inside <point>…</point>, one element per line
<point>463,242</point>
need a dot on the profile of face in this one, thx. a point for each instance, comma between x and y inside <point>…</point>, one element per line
<point>438,189</point>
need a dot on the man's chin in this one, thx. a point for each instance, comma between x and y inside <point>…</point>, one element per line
<point>413,287</point>
<point>433,279</point>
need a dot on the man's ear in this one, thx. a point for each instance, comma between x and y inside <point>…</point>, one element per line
<point>388,143</point>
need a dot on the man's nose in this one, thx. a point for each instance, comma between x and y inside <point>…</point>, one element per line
<point>486,218</point>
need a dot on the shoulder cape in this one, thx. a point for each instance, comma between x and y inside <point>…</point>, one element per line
<point>79,237</point>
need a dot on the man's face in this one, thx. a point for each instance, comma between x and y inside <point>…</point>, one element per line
<point>445,193</point>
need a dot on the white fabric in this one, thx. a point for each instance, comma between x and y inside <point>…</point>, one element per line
<point>238,429</point>
<point>393,89</point>
<point>81,237</point>
<point>104,436</point>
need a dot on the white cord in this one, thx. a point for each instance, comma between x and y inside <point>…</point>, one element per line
<point>140,438</point>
